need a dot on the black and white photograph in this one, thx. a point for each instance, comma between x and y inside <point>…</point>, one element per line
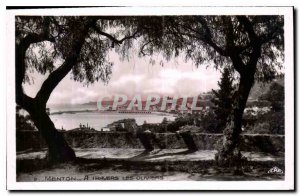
<point>110,97</point>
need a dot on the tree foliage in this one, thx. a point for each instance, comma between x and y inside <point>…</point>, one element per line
<point>275,96</point>
<point>221,40</point>
<point>223,99</point>
<point>202,39</point>
<point>58,34</point>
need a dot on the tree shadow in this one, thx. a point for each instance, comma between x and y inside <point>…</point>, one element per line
<point>146,154</point>
<point>140,156</point>
<point>173,154</point>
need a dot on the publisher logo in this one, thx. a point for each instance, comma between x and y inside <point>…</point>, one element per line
<point>275,170</point>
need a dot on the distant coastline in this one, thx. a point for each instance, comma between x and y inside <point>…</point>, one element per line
<point>111,112</point>
<point>72,112</point>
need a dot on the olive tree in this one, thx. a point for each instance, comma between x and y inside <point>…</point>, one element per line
<point>253,46</point>
<point>57,46</point>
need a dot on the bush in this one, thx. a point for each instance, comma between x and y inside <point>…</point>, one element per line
<point>268,123</point>
<point>259,128</point>
<point>276,122</point>
<point>23,122</point>
<point>210,123</point>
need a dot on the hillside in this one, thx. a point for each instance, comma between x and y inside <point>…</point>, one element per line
<point>260,88</point>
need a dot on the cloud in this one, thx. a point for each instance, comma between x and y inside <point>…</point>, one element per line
<point>134,77</point>
<point>128,78</point>
<point>176,74</point>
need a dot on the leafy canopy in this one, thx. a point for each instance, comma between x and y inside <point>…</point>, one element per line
<point>218,40</point>
<point>107,34</point>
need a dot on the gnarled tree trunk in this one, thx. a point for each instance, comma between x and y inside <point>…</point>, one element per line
<point>229,154</point>
<point>58,148</point>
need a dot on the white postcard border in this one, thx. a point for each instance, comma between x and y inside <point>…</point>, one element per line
<point>287,184</point>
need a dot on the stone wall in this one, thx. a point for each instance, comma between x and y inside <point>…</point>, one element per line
<point>32,140</point>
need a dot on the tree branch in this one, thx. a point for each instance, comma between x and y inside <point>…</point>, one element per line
<point>237,62</point>
<point>228,29</point>
<point>205,38</point>
<point>53,79</point>
<point>208,37</point>
<point>112,38</point>
<point>248,28</point>
<point>143,47</point>
<point>271,35</point>
<point>20,51</point>
<point>254,43</point>
<point>56,76</point>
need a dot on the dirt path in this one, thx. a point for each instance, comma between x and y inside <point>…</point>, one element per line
<point>154,156</point>
<point>110,164</point>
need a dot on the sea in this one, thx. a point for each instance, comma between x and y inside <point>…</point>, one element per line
<point>69,117</point>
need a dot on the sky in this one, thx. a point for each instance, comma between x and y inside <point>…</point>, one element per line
<point>136,76</point>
